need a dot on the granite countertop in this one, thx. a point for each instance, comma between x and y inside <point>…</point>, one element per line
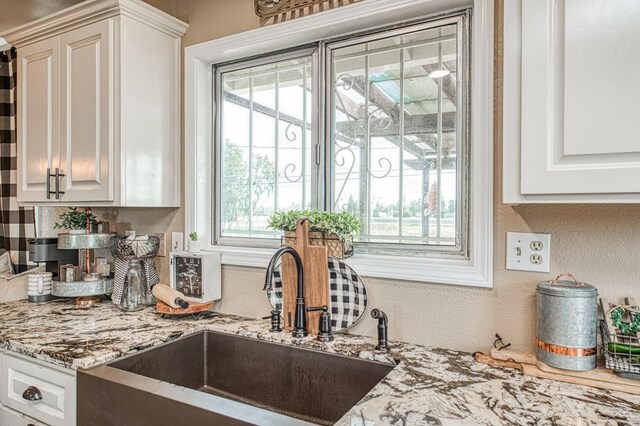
<point>428,386</point>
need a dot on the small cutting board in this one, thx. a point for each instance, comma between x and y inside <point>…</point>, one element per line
<point>194,308</point>
<point>601,377</point>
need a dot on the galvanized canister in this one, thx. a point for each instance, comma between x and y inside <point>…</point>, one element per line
<point>567,324</point>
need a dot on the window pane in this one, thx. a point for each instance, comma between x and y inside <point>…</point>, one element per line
<point>395,138</point>
<point>265,144</point>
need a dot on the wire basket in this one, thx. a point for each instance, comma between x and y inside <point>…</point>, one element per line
<point>140,247</point>
<point>619,352</point>
<point>335,246</point>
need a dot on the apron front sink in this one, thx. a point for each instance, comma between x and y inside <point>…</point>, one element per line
<point>216,378</point>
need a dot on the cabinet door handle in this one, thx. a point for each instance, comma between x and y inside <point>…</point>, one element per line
<point>32,393</point>
<point>48,183</point>
<point>58,176</point>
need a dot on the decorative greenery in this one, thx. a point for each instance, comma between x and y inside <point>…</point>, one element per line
<point>625,327</point>
<point>193,236</point>
<point>75,218</point>
<point>344,224</point>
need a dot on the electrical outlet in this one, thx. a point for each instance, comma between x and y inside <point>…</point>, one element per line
<point>536,259</point>
<point>177,241</point>
<point>528,252</point>
<point>536,245</point>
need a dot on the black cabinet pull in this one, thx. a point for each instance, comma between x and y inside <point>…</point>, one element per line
<point>48,183</point>
<point>32,393</point>
<point>58,176</point>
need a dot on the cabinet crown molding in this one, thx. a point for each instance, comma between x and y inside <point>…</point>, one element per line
<point>91,11</point>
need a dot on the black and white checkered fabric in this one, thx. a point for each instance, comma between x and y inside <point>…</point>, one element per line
<point>17,225</point>
<point>347,294</point>
<point>121,266</point>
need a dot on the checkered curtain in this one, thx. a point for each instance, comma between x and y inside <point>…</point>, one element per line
<point>17,224</point>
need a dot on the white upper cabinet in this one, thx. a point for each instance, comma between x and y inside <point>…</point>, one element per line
<point>99,101</point>
<point>38,120</point>
<point>571,88</point>
<point>86,134</point>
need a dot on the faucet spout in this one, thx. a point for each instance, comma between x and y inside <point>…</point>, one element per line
<point>300,323</point>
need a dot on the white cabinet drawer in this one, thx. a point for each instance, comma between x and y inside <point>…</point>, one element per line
<point>9,417</point>
<point>58,390</point>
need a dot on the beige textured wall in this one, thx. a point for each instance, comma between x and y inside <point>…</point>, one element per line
<point>600,243</point>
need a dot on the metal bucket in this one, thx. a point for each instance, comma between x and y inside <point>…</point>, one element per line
<point>567,324</point>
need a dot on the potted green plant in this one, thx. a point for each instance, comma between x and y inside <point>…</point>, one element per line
<point>334,230</point>
<point>75,220</point>
<point>194,243</point>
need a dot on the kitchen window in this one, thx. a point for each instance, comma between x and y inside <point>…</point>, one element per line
<point>378,123</point>
<point>391,153</point>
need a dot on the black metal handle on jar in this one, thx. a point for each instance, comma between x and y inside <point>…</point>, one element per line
<point>32,393</point>
<point>382,329</point>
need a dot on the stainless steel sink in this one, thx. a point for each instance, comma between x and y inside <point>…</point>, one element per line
<point>214,378</point>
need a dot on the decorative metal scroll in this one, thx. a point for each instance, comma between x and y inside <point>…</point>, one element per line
<point>274,11</point>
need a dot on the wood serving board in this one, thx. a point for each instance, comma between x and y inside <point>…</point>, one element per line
<point>194,308</point>
<point>316,279</point>
<point>601,377</point>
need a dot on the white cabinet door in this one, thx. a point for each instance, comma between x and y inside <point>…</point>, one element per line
<point>86,134</point>
<point>38,115</point>
<point>55,391</point>
<point>580,129</point>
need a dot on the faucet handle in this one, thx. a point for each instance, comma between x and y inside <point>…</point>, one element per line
<point>324,333</point>
<point>323,308</point>
<point>275,321</point>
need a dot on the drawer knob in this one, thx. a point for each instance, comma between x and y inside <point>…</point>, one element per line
<point>32,393</point>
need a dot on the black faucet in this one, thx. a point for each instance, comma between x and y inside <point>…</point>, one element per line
<point>300,322</point>
<point>382,329</point>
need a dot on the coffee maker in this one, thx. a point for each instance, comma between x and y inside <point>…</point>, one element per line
<point>45,250</point>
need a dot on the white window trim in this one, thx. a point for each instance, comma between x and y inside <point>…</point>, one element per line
<point>198,106</point>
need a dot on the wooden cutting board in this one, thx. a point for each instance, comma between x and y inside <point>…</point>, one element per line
<point>316,279</point>
<point>601,377</point>
<point>194,308</point>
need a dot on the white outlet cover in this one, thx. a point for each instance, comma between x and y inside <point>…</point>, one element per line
<point>519,251</point>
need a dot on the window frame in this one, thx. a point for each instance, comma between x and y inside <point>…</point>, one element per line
<point>311,51</point>
<point>459,250</point>
<point>477,268</point>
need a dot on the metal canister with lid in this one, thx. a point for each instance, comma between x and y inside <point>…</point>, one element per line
<point>567,323</point>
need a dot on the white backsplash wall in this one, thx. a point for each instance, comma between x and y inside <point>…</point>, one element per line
<point>599,243</point>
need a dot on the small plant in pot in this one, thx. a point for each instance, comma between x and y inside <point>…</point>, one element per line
<point>334,230</point>
<point>76,220</point>
<point>194,243</point>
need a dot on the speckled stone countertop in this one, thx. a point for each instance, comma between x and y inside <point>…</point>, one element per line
<point>428,386</point>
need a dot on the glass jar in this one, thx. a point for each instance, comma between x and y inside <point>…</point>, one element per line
<point>134,289</point>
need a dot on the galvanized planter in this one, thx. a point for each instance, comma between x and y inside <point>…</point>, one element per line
<point>567,324</point>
